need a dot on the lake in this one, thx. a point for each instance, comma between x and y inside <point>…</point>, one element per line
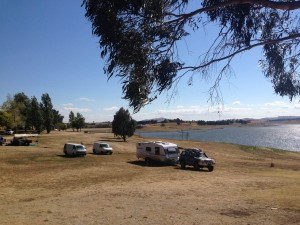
<point>286,137</point>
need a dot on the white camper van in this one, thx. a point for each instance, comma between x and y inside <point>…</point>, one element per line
<point>158,151</point>
<point>74,149</point>
<point>102,148</point>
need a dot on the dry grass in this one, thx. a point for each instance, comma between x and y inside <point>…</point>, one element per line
<point>39,185</point>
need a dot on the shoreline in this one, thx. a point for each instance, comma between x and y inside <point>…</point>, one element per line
<point>273,136</point>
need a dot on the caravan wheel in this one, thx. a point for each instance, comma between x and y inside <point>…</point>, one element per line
<point>147,160</point>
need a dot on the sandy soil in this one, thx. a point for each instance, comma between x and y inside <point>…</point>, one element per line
<point>39,185</point>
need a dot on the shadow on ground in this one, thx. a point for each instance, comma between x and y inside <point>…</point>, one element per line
<point>191,169</point>
<point>70,156</point>
<point>149,164</point>
<point>111,140</point>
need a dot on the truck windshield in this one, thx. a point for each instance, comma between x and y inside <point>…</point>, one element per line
<point>79,147</point>
<point>198,154</point>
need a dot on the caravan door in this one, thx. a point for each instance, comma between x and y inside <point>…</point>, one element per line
<point>158,153</point>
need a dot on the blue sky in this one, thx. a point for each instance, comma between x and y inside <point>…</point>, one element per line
<point>48,47</point>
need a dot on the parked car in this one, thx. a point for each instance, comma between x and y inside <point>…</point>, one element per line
<point>23,139</point>
<point>73,149</point>
<point>102,148</point>
<point>2,140</point>
<point>157,151</point>
<point>8,131</point>
<point>197,158</point>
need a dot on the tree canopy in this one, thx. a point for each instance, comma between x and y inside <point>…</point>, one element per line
<point>21,112</point>
<point>77,121</point>
<point>47,109</point>
<point>138,40</point>
<point>123,125</point>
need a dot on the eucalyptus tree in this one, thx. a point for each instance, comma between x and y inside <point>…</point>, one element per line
<point>79,121</point>
<point>123,125</point>
<point>11,111</point>
<point>72,119</point>
<point>139,41</point>
<point>47,109</point>
<point>35,115</point>
<point>57,118</point>
<point>5,119</point>
<point>22,102</point>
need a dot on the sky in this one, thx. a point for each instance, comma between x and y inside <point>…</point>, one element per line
<point>48,47</point>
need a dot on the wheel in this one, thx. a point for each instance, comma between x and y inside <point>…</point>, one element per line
<point>210,168</point>
<point>147,160</point>
<point>94,151</point>
<point>110,153</point>
<point>196,166</point>
<point>182,165</point>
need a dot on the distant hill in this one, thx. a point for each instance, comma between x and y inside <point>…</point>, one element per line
<point>266,119</point>
<point>277,119</point>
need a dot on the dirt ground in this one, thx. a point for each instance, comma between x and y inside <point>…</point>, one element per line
<point>39,185</point>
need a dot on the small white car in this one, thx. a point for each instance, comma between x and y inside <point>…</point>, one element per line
<point>9,131</point>
<point>102,148</point>
<point>73,149</point>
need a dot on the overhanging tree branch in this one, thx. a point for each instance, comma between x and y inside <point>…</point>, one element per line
<point>193,68</point>
<point>261,3</point>
<point>138,41</point>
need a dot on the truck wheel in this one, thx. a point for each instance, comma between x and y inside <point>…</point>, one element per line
<point>94,151</point>
<point>196,166</point>
<point>210,168</point>
<point>182,165</point>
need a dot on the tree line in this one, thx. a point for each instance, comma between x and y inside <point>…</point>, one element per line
<point>222,122</point>
<point>76,121</point>
<point>23,113</point>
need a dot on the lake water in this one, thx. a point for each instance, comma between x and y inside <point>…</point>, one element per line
<point>286,137</point>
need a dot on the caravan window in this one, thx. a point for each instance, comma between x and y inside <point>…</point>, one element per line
<point>148,149</point>
<point>156,150</point>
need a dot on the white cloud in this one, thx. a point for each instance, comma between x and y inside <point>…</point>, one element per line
<point>297,104</point>
<point>236,103</point>
<point>113,108</point>
<point>278,104</point>
<point>75,110</point>
<point>234,110</point>
<point>83,99</point>
<point>67,105</point>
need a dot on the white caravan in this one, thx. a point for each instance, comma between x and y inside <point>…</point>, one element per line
<point>158,151</point>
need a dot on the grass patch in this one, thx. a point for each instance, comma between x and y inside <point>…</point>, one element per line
<point>258,149</point>
<point>49,159</point>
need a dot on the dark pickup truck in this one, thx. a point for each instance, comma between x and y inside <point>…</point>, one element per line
<point>20,141</point>
<point>197,158</point>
